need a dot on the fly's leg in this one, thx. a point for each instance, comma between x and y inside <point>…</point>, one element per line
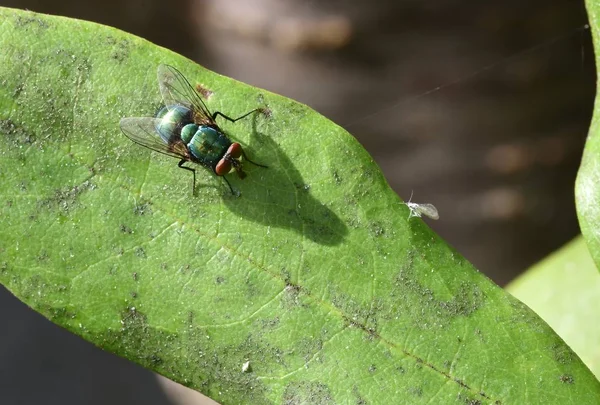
<point>214,117</point>
<point>216,113</point>
<point>250,161</point>
<point>180,165</point>
<point>230,188</point>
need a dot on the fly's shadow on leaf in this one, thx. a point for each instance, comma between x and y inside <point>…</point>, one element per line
<point>281,198</point>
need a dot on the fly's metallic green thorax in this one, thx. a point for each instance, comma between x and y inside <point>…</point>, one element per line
<point>207,144</point>
<point>186,129</point>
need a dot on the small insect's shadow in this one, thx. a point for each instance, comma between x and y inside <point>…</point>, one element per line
<point>279,197</point>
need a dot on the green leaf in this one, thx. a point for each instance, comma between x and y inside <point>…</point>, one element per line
<point>587,188</point>
<point>564,290</point>
<point>315,275</point>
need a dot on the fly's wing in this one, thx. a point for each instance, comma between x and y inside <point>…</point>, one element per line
<point>142,130</point>
<point>176,89</point>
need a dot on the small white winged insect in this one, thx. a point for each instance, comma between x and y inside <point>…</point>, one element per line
<point>418,210</point>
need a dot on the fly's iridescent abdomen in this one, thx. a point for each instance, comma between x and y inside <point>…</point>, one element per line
<point>172,120</point>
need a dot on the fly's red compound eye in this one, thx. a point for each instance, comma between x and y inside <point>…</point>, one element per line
<point>235,150</point>
<point>223,167</point>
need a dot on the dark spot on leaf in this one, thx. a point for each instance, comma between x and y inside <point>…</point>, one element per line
<point>291,295</point>
<point>302,187</point>
<point>113,270</point>
<point>133,322</point>
<point>65,199</point>
<point>25,22</point>
<point>308,348</point>
<point>33,287</point>
<point>84,69</point>
<point>337,178</point>
<point>461,383</point>
<point>307,392</point>
<point>133,294</point>
<point>372,368</point>
<point>18,90</point>
<point>467,300</point>
<point>363,316</point>
<point>217,368</point>
<point>121,48</point>
<point>140,252</point>
<point>16,134</point>
<point>431,311</point>
<point>60,315</point>
<point>268,324</point>
<point>43,256</point>
<point>354,223</point>
<point>220,280</point>
<point>143,208</point>
<point>285,276</point>
<point>135,276</point>
<point>467,400</point>
<point>522,315</point>
<point>359,399</point>
<point>567,379</point>
<point>562,353</point>
<point>155,360</point>
<point>377,229</point>
<point>125,229</point>
<point>184,269</point>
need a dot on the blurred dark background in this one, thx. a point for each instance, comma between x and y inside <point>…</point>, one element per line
<point>479,107</point>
